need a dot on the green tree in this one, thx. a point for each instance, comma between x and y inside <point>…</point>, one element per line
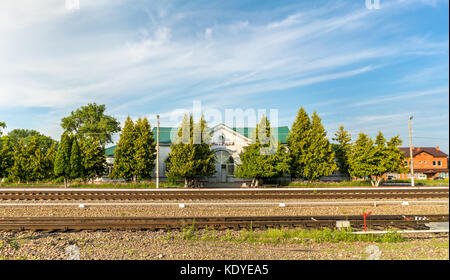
<point>264,158</point>
<point>191,156</point>
<point>91,122</point>
<point>25,155</point>
<point>299,143</point>
<point>394,157</point>
<point>250,164</point>
<point>6,156</point>
<point>76,167</point>
<point>361,156</point>
<point>144,150</point>
<point>21,167</point>
<point>49,161</point>
<point>319,160</point>
<point>310,152</point>
<point>62,159</point>
<point>374,159</point>
<point>45,142</point>
<point>2,126</point>
<point>342,149</point>
<point>93,159</point>
<point>204,157</point>
<point>36,158</point>
<point>124,161</point>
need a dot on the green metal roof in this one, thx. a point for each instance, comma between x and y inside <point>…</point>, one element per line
<point>109,152</point>
<point>165,135</point>
<point>283,132</point>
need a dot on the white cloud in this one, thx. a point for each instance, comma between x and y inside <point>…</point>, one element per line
<point>19,14</point>
<point>208,32</point>
<point>232,59</point>
<point>395,97</point>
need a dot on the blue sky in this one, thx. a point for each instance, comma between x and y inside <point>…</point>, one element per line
<point>366,69</point>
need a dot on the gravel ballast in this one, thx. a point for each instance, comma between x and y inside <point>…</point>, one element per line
<point>119,245</point>
<point>203,211</point>
<point>151,245</point>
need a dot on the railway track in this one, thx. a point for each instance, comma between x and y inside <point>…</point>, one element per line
<point>196,194</point>
<point>373,222</point>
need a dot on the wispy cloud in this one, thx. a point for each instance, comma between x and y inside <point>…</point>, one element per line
<point>401,96</point>
<point>143,57</point>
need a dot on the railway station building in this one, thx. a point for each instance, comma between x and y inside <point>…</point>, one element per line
<point>227,144</point>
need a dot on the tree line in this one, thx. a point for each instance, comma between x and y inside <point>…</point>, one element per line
<point>27,155</point>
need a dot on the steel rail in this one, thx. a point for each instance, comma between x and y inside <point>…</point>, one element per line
<point>373,222</point>
<point>220,194</point>
<point>233,204</point>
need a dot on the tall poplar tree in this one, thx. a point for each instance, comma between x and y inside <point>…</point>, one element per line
<point>342,149</point>
<point>144,150</point>
<point>124,161</point>
<point>76,167</point>
<point>299,143</point>
<point>62,159</point>
<point>320,159</point>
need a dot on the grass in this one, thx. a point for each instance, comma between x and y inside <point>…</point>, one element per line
<point>34,184</point>
<point>152,185</point>
<point>16,243</point>
<point>365,183</point>
<point>329,184</point>
<point>283,236</point>
<point>190,233</point>
<point>277,236</point>
<point>424,182</point>
<point>142,185</point>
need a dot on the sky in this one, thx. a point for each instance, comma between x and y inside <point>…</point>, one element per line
<point>366,69</point>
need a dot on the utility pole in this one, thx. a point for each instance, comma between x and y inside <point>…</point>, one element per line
<point>157,151</point>
<point>411,165</point>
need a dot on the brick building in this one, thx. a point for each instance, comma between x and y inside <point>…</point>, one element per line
<point>429,163</point>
